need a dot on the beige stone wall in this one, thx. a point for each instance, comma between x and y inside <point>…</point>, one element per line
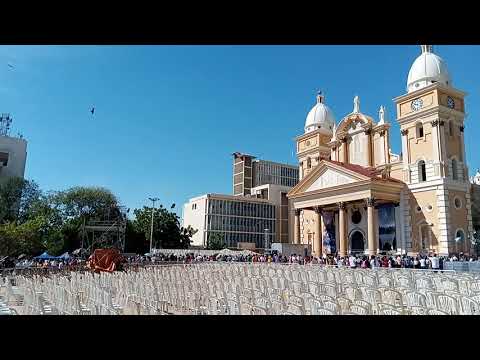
<point>458,218</point>
<point>307,225</point>
<point>453,142</point>
<point>308,143</point>
<point>429,99</point>
<point>420,148</point>
<point>396,171</point>
<point>426,215</point>
<point>341,152</point>
<point>379,149</point>
<point>358,149</point>
<point>459,103</point>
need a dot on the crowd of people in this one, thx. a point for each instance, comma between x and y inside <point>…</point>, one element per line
<point>54,264</point>
<point>353,261</point>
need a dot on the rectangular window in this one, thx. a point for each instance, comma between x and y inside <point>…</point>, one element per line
<point>238,168</point>
<point>3,158</point>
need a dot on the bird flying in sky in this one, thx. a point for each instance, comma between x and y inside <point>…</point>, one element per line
<point>93,110</point>
<point>10,65</point>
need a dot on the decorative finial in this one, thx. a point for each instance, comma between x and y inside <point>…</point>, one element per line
<point>356,104</point>
<point>320,97</point>
<point>381,115</point>
<point>427,48</point>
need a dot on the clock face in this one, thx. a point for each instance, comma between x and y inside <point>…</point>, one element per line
<point>450,103</point>
<point>417,104</point>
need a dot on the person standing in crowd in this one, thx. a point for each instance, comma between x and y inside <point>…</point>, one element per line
<point>353,261</point>
<point>422,263</point>
<point>435,262</point>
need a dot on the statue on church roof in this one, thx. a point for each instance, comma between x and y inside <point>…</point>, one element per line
<point>356,104</point>
<point>381,115</point>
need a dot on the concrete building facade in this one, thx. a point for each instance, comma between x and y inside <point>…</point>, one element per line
<point>258,208</point>
<point>249,172</point>
<point>13,151</point>
<point>237,219</point>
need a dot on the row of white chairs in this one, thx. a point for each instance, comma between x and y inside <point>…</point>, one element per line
<point>245,288</point>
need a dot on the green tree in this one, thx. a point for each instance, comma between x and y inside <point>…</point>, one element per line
<point>88,202</point>
<point>78,205</point>
<point>135,241</point>
<point>21,238</point>
<point>167,232</point>
<point>215,241</point>
<point>31,221</point>
<point>17,196</point>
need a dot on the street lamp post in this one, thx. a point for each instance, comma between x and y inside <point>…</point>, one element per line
<point>151,226</point>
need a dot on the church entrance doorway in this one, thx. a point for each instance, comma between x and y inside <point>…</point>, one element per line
<point>357,242</point>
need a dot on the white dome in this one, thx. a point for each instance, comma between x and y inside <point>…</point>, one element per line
<point>320,117</point>
<point>427,69</point>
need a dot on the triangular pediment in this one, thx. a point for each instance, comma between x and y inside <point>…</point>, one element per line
<point>330,178</point>
<point>326,175</point>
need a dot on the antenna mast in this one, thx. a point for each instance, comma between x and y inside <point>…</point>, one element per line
<point>5,123</point>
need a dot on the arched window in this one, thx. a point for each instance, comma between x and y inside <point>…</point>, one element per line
<point>356,144</point>
<point>422,171</point>
<point>309,163</point>
<point>460,239</point>
<point>454,169</point>
<point>450,128</point>
<point>419,130</point>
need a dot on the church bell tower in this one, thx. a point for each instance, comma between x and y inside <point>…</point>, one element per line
<point>431,116</point>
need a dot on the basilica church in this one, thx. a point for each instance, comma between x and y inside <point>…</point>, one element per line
<point>356,196</point>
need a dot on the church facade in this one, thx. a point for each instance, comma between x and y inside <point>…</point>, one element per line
<point>356,196</point>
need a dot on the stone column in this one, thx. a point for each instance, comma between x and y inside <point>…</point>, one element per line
<point>297,226</point>
<point>342,227</point>
<point>345,150</point>
<point>405,156</point>
<point>318,231</point>
<point>436,148</point>
<point>372,241</point>
<point>443,149</point>
<point>462,149</point>
<point>368,132</point>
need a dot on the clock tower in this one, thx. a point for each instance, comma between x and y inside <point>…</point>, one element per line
<point>436,202</point>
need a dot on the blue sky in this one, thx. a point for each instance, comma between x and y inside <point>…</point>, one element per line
<point>168,118</point>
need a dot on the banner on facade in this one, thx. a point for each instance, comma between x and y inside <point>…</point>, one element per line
<point>329,243</point>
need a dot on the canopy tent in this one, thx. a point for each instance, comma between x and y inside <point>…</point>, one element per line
<point>64,256</point>
<point>236,252</point>
<point>45,256</point>
<point>80,251</point>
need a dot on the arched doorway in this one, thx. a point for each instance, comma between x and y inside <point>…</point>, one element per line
<point>357,242</point>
